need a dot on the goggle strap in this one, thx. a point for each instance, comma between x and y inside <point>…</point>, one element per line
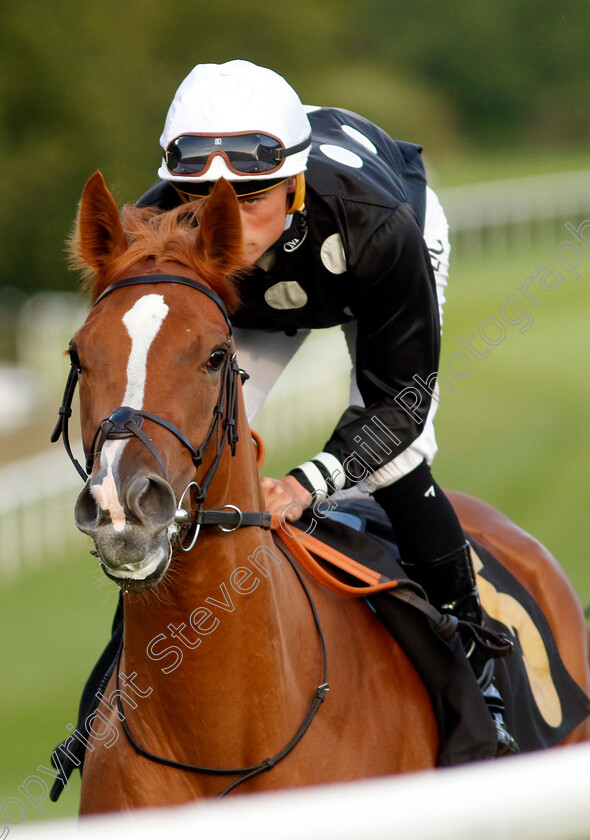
<point>281,154</point>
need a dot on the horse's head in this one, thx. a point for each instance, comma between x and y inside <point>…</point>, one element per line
<point>155,368</point>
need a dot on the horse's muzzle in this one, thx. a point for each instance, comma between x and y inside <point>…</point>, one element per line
<point>129,527</point>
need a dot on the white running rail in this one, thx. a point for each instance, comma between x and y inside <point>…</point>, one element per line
<point>539,796</point>
<point>495,215</point>
<point>37,496</point>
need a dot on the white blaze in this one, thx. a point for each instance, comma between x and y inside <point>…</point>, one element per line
<point>142,322</point>
<point>105,493</point>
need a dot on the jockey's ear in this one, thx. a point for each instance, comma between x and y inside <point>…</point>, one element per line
<point>220,229</point>
<point>99,235</point>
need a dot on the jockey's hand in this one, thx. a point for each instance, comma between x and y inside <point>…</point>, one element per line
<point>285,498</point>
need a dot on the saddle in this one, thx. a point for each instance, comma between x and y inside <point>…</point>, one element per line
<point>353,550</point>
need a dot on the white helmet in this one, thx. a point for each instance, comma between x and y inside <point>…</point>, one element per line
<point>237,121</point>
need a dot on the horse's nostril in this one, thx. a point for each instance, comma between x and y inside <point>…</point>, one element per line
<point>151,500</point>
<point>149,503</point>
<point>86,512</point>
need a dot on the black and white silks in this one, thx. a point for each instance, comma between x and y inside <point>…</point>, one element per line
<point>356,257</point>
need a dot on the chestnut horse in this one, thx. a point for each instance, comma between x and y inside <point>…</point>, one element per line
<point>223,662</point>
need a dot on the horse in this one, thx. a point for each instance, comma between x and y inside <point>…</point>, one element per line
<point>221,677</point>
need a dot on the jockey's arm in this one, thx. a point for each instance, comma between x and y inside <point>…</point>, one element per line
<point>398,341</point>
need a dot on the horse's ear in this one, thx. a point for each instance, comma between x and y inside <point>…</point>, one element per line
<point>221,229</point>
<point>99,235</point>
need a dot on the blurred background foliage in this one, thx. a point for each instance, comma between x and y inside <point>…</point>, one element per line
<point>87,85</point>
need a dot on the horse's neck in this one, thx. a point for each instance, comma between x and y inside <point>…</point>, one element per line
<point>223,636</point>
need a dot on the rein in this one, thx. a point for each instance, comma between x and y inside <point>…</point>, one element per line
<point>125,422</point>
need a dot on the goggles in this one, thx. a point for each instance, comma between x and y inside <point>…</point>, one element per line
<point>246,153</point>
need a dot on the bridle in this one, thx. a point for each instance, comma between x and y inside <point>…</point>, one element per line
<point>125,422</point>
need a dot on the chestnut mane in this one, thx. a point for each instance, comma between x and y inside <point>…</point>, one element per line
<point>154,234</point>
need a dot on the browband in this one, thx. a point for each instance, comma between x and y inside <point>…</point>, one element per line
<point>154,279</point>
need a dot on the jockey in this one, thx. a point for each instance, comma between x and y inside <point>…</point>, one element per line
<point>340,228</point>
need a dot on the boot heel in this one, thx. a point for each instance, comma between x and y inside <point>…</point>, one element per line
<point>506,743</point>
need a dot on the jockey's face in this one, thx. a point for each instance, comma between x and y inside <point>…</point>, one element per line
<point>263,218</point>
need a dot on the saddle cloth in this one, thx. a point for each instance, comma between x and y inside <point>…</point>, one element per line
<point>543,702</point>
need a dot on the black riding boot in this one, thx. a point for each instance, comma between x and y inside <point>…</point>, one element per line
<point>450,585</point>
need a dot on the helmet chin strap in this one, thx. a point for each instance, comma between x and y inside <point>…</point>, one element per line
<point>297,197</point>
<point>298,200</point>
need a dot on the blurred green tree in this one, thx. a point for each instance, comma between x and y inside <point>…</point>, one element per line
<point>87,85</point>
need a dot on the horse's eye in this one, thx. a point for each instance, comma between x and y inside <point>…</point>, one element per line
<point>216,359</point>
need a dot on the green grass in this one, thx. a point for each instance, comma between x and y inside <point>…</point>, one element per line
<point>55,622</point>
<point>514,432</point>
